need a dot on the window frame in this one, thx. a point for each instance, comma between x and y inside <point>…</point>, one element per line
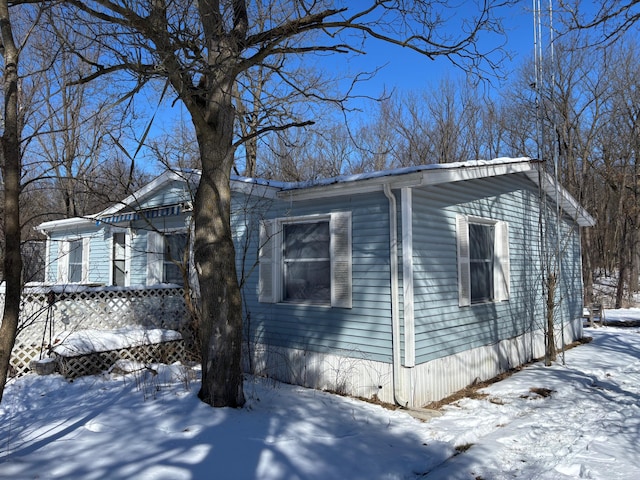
<point>170,262</point>
<point>289,262</point>
<point>500,263</point>
<point>156,246</point>
<point>271,259</point>
<point>65,257</point>
<point>127,255</point>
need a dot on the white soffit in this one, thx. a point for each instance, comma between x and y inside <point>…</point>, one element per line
<point>408,177</point>
<point>567,203</point>
<point>66,224</point>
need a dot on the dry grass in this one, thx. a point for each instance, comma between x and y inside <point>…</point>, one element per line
<point>472,390</point>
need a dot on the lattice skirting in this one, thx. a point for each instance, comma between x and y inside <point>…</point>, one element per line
<point>46,311</point>
<point>97,362</point>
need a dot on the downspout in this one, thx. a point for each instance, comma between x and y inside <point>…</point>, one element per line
<point>395,317</point>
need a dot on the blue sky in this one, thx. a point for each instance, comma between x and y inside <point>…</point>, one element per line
<point>405,70</point>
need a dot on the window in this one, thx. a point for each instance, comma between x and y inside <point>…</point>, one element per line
<point>174,248</point>
<point>118,256</point>
<point>73,261</point>
<point>306,260</point>
<point>165,255</point>
<point>481,239</point>
<point>483,260</point>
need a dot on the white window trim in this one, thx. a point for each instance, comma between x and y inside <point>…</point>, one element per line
<point>155,253</point>
<point>64,257</point>
<point>270,285</point>
<point>127,254</point>
<point>501,267</point>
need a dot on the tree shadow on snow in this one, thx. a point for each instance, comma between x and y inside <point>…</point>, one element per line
<point>112,431</point>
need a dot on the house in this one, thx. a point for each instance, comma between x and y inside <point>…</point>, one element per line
<point>406,285</point>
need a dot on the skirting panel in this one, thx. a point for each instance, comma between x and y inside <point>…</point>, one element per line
<point>422,384</point>
<point>437,379</point>
<point>336,372</point>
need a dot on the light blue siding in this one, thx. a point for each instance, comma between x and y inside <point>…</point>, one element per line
<point>100,235</point>
<point>361,331</point>
<point>138,272</point>
<point>99,258</point>
<point>442,327</point>
<point>173,193</point>
<point>96,266</point>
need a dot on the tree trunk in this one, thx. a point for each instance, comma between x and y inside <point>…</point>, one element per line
<point>587,266</point>
<point>550,350</point>
<point>622,274</point>
<point>622,264</point>
<point>11,172</point>
<point>214,257</point>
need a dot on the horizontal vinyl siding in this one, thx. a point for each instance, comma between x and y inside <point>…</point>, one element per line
<point>140,231</point>
<point>361,331</point>
<point>570,288</point>
<point>171,194</point>
<point>138,272</point>
<point>442,327</point>
<point>52,261</point>
<point>98,264</point>
<point>99,258</point>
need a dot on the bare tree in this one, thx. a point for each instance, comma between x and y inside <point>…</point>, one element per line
<point>619,144</point>
<point>11,171</point>
<point>176,149</point>
<point>608,20</point>
<point>201,49</point>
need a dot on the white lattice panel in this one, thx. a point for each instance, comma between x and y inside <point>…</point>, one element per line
<point>94,363</point>
<point>95,307</point>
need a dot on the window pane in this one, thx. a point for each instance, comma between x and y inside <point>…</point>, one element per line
<point>118,259</point>
<point>118,273</point>
<point>306,240</point>
<point>481,282</point>
<point>308,281</point>
<point>174,249</point>
<point>307,266</point>
<point>75,261</point>
<point>481,241</point>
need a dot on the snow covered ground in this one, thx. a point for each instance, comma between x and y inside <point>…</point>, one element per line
<point>577,420</point>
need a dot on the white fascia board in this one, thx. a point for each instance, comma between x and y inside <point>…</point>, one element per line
<point>254,189</point>
<point>136,197</point>
<point>569,204</point>
<point>375,184</point>
<point>66,224</point>
<point>458,174</point>
<point>411,177</point>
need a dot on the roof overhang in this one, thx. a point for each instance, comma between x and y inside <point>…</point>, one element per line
<point>410,177</point>
<point>129,208</point>
<point>566,201</point>
<point>66,224</point>
<point>438,174</point>
<point>135,199</point>
<point>407,177</point>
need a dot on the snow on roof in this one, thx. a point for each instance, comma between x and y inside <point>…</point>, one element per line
<point>404,171</point>
<point>82,342</point>
<point>447,172</point>
<point>379,174</point>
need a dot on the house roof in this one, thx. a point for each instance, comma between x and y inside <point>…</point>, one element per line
<point>435,174</point>
<point>359,183</point>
